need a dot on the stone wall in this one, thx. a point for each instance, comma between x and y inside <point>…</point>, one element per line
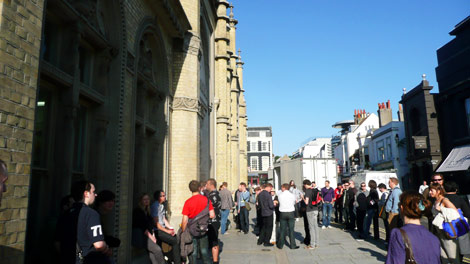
<point>20,38</point>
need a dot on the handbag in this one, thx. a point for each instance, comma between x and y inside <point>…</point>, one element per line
<point>409,258</point>
<point>247,205</point>
<point>457,227</point>
<point>318,200</point>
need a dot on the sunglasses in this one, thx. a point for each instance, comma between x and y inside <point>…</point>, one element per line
<point>435,180</point>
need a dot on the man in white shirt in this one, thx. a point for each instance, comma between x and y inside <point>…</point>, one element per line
<point>423,187</point>
<point>286,208</point>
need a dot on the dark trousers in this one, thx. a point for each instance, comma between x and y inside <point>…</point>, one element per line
<point>173,242</point>
<point>307,230</point>
<point>244,222</point>
<point>361,214</point>
<point>266,230</point>
<point>352,218</point>
<point>287,221</point>
<point>338,212</point>
<point>259,222</point>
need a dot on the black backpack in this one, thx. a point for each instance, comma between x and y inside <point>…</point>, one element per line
<point>199,225</point>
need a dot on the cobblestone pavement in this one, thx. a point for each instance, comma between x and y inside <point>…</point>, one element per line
<point>336,246</point>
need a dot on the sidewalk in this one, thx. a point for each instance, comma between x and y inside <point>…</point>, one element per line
<point>336,246</point>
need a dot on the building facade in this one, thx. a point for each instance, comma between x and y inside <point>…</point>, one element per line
<point>260,152</point>
<point>316,148</point>
<point>453,77</point>
<point>422,135</point>
<point>133,95</point>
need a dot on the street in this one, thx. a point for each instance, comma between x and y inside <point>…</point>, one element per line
<point>336,246</point>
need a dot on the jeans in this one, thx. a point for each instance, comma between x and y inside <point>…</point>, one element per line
<point>352,218</point>
<point>338,212</point>
<point>361,214</point>
<point>244,222</point>
<point>224,216</point>
<point>173,242</point>
<point>327,208</point>
<point>306,227</point>
<point>371,214</point>
<point>287,221</point>
<point>266,230</point>
<point>346,216</point>
<point>312,217</point>
<point>200,245</point>
<point>155,252</point>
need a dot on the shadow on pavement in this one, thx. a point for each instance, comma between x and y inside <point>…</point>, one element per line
<point>377,255</point>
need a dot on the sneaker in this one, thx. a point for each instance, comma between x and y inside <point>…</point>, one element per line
<point>323,227</point>
<point>330,227</point>
<point>309,247</point>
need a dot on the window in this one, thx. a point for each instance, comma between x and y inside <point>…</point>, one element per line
<point>254,163</point>
<point>41,129</point>
<point>388,142</point>
<point>253,134</point>
<point>264,146</point>
<point>80,139</point>
<point>254,146</point>
<point>265,163</point>
<point>467,112</point>
<point>380,150</point>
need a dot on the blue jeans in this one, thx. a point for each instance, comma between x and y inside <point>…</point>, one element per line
<point>327,208</point>
<point>223,224</point>
<point>244,222</point>
<point>367,223</point>
<point>200,250</point>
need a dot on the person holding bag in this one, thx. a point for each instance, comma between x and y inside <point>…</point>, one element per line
<point>444,210</point>
<point>413,243</point>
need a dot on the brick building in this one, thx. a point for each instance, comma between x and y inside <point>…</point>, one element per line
<point>133,95</point>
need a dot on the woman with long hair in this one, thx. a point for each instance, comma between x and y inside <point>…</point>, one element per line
<point>424,245</point>
<point>372,207</point>
<point>142,223</point>
<point>450,252</point>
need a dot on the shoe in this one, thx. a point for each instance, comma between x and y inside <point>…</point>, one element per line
<point>268,245</point>
<point>273,242</point>
<point>323,227</point>
<point>296,247</point>
<point>279,247</point>
<point>259,243</point>
<point>309,247</point>
<point>330,227</point>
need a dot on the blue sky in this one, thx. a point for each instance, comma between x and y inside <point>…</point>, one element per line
<point>310,63</point>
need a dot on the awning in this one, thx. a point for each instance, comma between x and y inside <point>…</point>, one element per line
<point>458,160</point>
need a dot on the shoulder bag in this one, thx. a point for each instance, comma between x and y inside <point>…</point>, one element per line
<point>247,204</point>
<point>410,258</point>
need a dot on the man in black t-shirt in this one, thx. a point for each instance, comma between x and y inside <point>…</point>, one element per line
<point>214,223</point>
<point>311,199</point>
<point>90,238</point>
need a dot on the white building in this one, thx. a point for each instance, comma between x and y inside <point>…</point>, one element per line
<point>260,153</point>
<point>316,148</point>
<point>353,137</point>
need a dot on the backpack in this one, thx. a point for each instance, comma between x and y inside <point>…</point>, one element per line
<point>199,225</point>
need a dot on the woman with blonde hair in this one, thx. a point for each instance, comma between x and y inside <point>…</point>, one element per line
<point>423,244</point>
<point>143,227</point>
<point>444,208</point>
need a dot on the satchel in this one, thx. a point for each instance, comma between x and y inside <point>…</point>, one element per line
<point>382,213</point>
<point>318,200</point>
<point>247,205</point>
<point>457,227</point>
<point>410,258</point>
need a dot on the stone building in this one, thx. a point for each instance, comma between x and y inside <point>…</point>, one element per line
<point>422,135</point>
<point>133,95</point>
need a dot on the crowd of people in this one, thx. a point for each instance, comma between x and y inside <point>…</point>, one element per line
<point>81,236</point>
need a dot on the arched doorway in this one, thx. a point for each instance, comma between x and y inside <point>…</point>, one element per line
<point>77,113</point>
<point>151,114</point>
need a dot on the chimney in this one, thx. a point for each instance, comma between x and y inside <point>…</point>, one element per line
<point>400,113</point>
<point>385,114</point>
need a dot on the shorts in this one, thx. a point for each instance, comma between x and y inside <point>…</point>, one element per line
<point>213,234</point>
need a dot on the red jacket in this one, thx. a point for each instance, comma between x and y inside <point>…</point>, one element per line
<point>338,193</point>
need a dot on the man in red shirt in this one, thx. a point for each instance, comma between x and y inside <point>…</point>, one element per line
<point>192,208</point>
